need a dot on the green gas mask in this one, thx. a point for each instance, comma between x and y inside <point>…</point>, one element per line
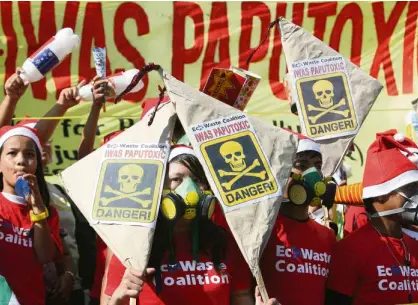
<point>308,187</point>
<point>187,201</point>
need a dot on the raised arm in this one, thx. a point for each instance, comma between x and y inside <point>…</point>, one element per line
<point>68,98</point>
<point>14,88</point>
<point>89,131</point>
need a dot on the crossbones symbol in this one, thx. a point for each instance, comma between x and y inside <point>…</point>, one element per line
<point>120,195</point>
<point>245,172</point>
<point>324,111</point>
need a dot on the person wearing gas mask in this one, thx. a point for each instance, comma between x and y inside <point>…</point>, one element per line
<point>295,261</point>
<point>378,263</point>
<point>192,260</point>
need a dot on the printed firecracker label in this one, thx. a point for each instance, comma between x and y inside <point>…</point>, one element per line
<point>224,85</point>
<point>322,92</point>
<point>238,168</point>
<point>130,184</point>
<point>232,86</point>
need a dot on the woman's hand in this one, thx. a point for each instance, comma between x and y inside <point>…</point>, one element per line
<point>131,284</point>
<point>34,198</point>
<point>69,97</point>
<point>64,289</point>
<point>259,300</point>
<point>101,89</point>
<point>15,87</point>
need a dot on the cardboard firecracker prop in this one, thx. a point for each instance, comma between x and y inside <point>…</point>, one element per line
<point>333,96</point>
<point>122,185</point>
<point>232,86</point>
<point>247,163</point>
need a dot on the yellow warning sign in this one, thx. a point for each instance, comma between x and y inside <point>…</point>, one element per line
<point>326,105</point>
<point>239,168</point>
<point>125,193</point>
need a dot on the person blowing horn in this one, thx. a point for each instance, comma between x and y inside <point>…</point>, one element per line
<point>376,264</point>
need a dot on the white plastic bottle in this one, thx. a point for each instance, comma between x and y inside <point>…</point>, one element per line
<point>49,55</point>
<point>118,82</point>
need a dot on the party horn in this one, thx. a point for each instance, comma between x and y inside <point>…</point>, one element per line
<point>350,194</point>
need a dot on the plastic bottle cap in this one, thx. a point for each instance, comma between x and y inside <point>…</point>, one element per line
<point>24,77</point>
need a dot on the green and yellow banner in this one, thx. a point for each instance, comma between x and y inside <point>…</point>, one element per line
<point>188,39</point>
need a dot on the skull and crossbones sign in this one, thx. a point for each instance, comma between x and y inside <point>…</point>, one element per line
<point>233,154</point>
<point>324,94</point>
<point>129,177</point>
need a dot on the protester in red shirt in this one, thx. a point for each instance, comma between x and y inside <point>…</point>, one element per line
<point>295,262</point>
<point>216,276</point>
<point>29,227</point>
<point>378,264</point>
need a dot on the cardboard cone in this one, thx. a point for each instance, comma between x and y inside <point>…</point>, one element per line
<point>333,95</point>
<point>219,133</point>
<point>130,238</point>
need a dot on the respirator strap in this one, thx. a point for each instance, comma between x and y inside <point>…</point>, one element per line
<point>386,213</point>
<point>172,262</point>
<point>195,239</point>
<point>158,281</point>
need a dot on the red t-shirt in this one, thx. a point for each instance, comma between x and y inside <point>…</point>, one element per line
<point>295,263</point>
<point>354,218</point>
<point>218,217</point>
<point>195,283</point>
<point>101,251</point>
<point>363,267</point>
<point>18,262</point>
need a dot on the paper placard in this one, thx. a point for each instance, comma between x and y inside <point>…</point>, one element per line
<point>130,183</point>
<point>236,161</point>
<point>322,92</point>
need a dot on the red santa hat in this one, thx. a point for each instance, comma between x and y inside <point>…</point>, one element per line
<point>180,149</point>
<point>391,163</point>
<point>7,132</point>
<point>28,123</point>
<point>305,143</point>
<point>150,104</point>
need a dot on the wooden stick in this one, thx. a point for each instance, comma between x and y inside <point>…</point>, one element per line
<point>132,301</point>
<point>261,286</point>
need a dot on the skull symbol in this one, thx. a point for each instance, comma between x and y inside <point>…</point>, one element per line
<point>324,93</point>
<point>129,177</point>
<point>233,154</point>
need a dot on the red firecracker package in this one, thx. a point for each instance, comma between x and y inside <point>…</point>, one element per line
<point>233,86</point>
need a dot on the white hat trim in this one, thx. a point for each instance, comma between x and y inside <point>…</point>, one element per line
<point>390,185</point>
<point>21,131</point>
<point>177,151</point>
<point>307,144</point>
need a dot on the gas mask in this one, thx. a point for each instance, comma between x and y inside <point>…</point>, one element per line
<point>187,201</point>
<point>409,210</point>
<point>310,188</point>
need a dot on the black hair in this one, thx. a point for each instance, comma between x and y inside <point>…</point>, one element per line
<point>194,166</point>
<point>212,238</point>
<point>39,173</point>
<point>308,154</point>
